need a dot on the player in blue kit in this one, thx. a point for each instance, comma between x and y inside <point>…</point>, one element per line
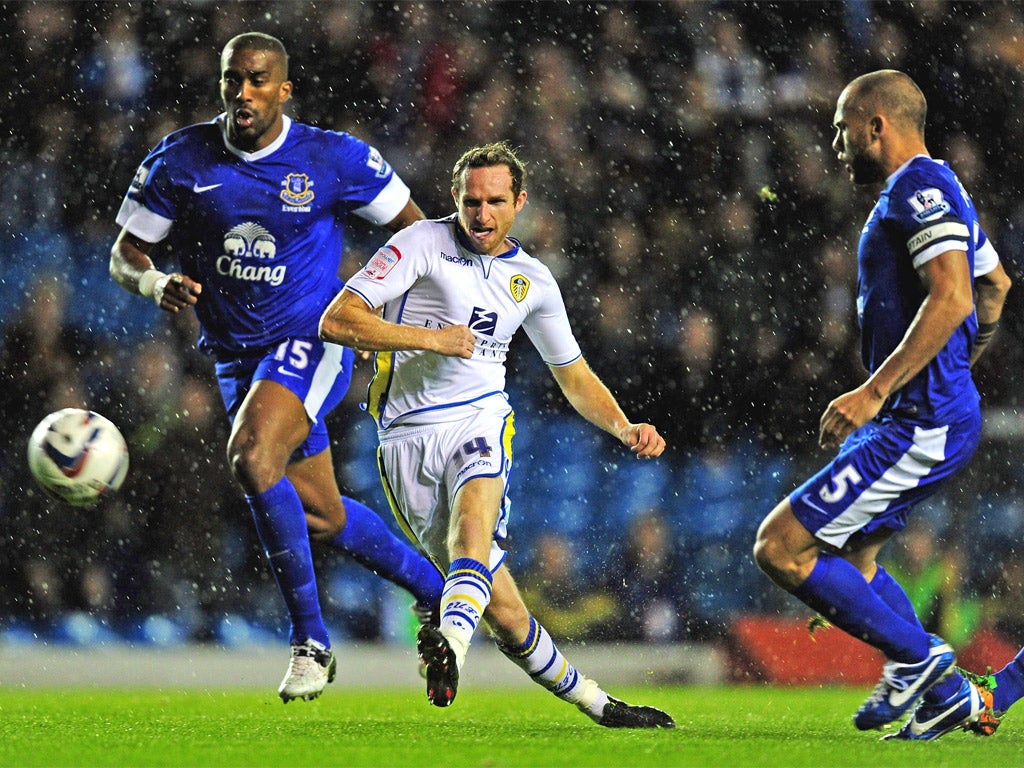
<point>912,424</point>
<point>254,207</point>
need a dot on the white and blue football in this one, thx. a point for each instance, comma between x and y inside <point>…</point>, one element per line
<point>78,456</point>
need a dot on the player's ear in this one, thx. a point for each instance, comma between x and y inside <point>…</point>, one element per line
<point>455,195</point>
<point>878,125</point>
<point>286,91</point>
<point>520,200</point>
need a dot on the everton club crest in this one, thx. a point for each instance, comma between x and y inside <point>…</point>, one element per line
<point>297,189</point>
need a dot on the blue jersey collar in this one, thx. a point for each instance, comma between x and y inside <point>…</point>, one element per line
<point>464,241</point>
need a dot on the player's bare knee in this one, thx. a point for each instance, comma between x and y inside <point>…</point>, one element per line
<point>776,562</point>
<point>251,466</point>
<point>466,536</point>
<point>761,553</point>
<point>324,525</point>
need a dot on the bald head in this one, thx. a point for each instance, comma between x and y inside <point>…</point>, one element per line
<point>879,124</point>
<point>890,93</point>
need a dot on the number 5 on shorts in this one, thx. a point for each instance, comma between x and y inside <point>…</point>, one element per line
<point>843,479</point>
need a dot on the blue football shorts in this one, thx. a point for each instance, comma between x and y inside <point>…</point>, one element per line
<point>882,470</point>
<point>317,372</point>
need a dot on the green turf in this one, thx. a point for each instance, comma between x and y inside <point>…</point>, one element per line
<point>721,727</point>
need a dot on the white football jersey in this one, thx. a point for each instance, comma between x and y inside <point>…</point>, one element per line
<point>424,276</point>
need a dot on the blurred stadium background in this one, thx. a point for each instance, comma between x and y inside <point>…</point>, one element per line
<point>683,190</point>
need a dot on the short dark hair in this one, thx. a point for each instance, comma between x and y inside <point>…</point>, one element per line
<point>258,41</point>
<point>488,156</point>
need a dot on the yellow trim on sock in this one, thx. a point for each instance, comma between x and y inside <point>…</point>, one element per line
<point>464,571</point>
<point>565,668</point>
<point>465,598</point>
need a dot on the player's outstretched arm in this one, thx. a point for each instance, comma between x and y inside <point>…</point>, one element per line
<point>132,269</point>
<point>350,322</point>
<point>594,402</point>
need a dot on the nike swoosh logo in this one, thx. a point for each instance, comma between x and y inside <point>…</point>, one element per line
<point>197,188</point>
<point>806,499</point>
<point>917,728</point>
<point>285,372</point>
<point>899,698</point>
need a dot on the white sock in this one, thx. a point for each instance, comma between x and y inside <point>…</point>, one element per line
<point>466,595</point>
<point>540,658</point>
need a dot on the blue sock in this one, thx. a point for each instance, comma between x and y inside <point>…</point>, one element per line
<point>368,540</point>
<point>841,594</point>
<point>892,594</point>
<point>281,525</point>
<point>1009,684</point>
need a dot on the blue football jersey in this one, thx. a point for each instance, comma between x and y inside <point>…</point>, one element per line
<point>923,212</point>
<point>262,232</point>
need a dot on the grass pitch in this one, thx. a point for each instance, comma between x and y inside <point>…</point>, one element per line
<point>719,727</point>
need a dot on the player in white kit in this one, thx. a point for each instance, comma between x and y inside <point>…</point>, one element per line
<point>451,293</point>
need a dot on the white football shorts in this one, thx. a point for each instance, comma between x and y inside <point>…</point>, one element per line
<point>423,466</point>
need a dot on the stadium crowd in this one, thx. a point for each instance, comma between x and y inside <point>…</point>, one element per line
<point>683,191</point>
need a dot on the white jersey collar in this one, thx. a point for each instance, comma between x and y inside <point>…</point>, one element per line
<point>902,168</point>
<point>261,153</point>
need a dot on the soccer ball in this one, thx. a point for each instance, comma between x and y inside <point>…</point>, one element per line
<point>77,456</point>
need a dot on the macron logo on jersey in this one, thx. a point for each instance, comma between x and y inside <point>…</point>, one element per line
<point>383,262</point>
<point>483,322</point>
<point>462,261</point>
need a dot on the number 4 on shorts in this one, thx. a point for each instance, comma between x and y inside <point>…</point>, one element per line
<point>477,445</point>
